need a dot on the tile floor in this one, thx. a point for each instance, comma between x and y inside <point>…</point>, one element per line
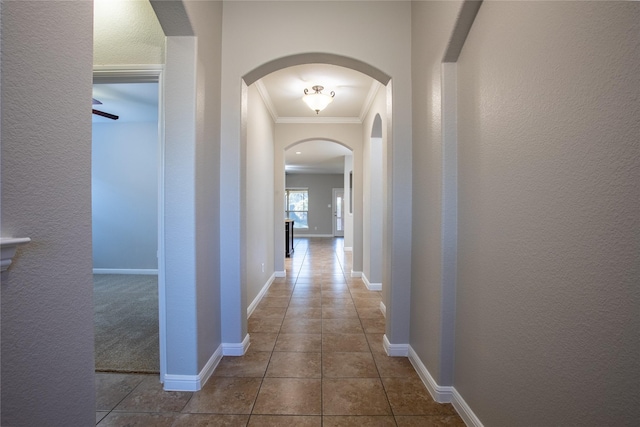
<point>316,359</point>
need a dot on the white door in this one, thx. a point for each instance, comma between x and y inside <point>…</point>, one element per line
<point>338,212</point>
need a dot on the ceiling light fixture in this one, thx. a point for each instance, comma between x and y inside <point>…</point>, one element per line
<point>317,100</point>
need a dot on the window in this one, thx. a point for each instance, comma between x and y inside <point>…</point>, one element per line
<point>297,206</point>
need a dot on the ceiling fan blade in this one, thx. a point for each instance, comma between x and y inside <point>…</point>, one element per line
<point>103,114</point>
<point>95,101</point>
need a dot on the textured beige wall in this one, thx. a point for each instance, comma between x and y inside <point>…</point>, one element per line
<point>432,25</point>
<point>47,294</point>
<point>126,32</point>
<point>548,296</point>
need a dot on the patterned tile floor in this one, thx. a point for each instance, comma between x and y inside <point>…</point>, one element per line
<point>316,359</point>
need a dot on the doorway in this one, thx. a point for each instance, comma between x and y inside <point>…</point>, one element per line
<point>126,153</point>
<point>338,212</point>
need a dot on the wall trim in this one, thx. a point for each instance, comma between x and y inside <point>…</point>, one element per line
<point>260,295</point>
<point>301,235</point>
<point>371,286</point>
<point>280,273</point>
<point>443,394</point>
<point>394,350</point>
<point>193,382</point>
<point>356,273</point>
<point>141,271</point>
<point>236,349</point>
<point>347,249</point>
<point>383,309</point>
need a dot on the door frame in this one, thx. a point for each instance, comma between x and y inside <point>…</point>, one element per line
<point>334,193</point>
<point>149,74</point>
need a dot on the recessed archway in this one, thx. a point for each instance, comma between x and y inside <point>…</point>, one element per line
<point>304,134</point>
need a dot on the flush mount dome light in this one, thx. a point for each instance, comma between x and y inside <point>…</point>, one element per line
<point>317,100</point>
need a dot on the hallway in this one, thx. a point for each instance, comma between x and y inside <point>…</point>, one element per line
<point>316,359</point>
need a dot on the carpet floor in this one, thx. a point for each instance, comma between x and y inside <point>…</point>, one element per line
<point>126,323</point>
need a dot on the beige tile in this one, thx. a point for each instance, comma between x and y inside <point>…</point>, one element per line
<point>261,341</point>
<point>376,343</point>
<point>299,342</point>
<point>278,293</point>
<point>306,302</point>
<point>264,313</point>
<point>330,312</point>
<point>264,325</point>
<point>304,312</point>
<point>121,419</point>
<point>295,365</point>
<point>354,396</point>
<point>274,302</point>
<point>225,396</point>
<point>285,420</point>
<point>210,420</point>
<point>394,366</point>
<point>289,396</point>
<point>358,421</point>
<point>100,415</point>
<point>370,312</point>
<point>429,421</point>
<point>341,326</point>
<point>301,326</point>
<point>344,342</point>
<point>366,302</point>
<point>112,388</point>
<point>374,325</point>
<point>408,396</point>
<point>149,396</point>
<point>252,364</point>
<point>348,365</point>
<point>306,292</point>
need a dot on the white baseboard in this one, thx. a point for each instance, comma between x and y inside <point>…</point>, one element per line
<point>193,382</point>
<point>280,273</point>
<point>356,273</point>
<point>145,271</point>
<point>260,295</point>
<point>443,394</point>
<point>298,234</point>
<point>347,249</point>
<point>236,349</point>
<point>369,285</point>
<point>395,350</point>
<point>383,309</point>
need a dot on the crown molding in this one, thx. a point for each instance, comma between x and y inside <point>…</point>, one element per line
<point>268,102</point>
<point>320,120</point>
<point>368,102</point>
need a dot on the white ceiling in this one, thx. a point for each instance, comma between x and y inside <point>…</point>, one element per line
<point>282,92</point>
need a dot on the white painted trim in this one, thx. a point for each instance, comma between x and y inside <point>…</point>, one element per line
<point>139,271</point>
<point>260,295</point>
<point>439,393</point>
<point>300,235</point>
<point>236,349</point>
<point>9,246</point>
<point>444,394</point>
<point>280,274</point>
<point>383,309</point>
<point>356,273</point>
<point>134,73</point>
<point>193,382</point>
<point>347,249</point>
<point>321,120</point>
<point>268,102</point>
<point>395,350</point>
<point>464,410</point>
<point>371,286</point>
<point>368,102</point>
